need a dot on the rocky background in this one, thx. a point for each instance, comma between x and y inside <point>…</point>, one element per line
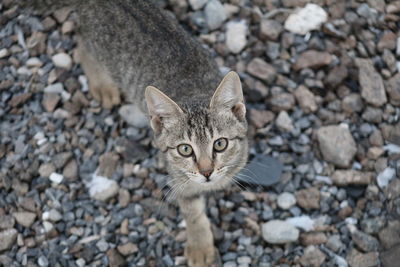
<point>323,94</point>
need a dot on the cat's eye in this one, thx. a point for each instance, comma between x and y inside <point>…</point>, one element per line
<point>220,144</point>
<point>185,150</point>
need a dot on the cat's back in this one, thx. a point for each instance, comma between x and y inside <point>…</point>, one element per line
<point>141,45</point>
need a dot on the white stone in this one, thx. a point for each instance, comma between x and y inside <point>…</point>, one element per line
<point>236,36</point>
<point>65,95</point>
<point>34,62</point>
<point>41,141</point>
<point>215,14</point>
<point>303,222</point>
<point>80,262</point>
<point>47,226</point>
<point>279,232</point>
<point>62,60</point>
<point>385,176</point>
<point>84,83</point>
<point>56,178</point>
<point>197,4</point>
<point>4,52</point>
<point>392,149</point>
<point>57,88</point>
<point>101,188</point>
<point>286,200</point>
<point>61,114</point>
<point>309,18</point>
<point>284,122</point>
<point>24,71</point>
<point>132,115</point>
<point>52,215</point>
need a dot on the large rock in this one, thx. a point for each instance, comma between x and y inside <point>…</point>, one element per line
<point>279,232</point>
<point>365,242</point>
<point>391,258</point>
<point>236,36</point>
<point>312,257</point>
<point>282,101</point>
<point>7,238</point>
<point>25,218</point>
<point>337,145</point>
<point>351,177</point>
<point>372,89</point>
<point>306,19</point>
<point>357,259</point>
<point>306,99</point>
<point>6,222</point>
<point>308,198</point>
<point>262,70</point>
<point>312,59</point>
<point>390,236</point>
<point>393,89</point>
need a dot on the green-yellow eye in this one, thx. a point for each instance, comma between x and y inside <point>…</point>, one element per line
<point>185,150</point>
<point>220,144</point>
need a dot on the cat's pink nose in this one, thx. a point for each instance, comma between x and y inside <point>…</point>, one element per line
<point>206,173</point>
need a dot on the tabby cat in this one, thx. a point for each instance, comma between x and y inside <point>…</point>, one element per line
<point>134,49</point>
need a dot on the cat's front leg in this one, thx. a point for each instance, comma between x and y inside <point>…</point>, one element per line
<point>199,250</point>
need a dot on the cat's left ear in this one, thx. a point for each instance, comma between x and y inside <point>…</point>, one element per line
<point>229,96</point>
<point>161,108</point>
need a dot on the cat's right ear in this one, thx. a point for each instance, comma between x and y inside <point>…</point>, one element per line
<point>160,108</point>
<point>229,96</point>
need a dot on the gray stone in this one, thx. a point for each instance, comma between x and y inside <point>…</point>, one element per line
<point>197,4</point>
<point>357,259</point>
<point>334,243</point>
<point>43,261</point>
<point>6,222</point>
<point>365,242</point>
<point>306,99</point>
<point>284,122</point>
<point>372,89</point>
<point>270,29</point>
<point>337,145</point>
<point>279,232</point>
<point>385,176</point>
<point>312,257</point>
<point>393,88</point>
<point>262,170</point>
<point>390,236</point>
<point>7,238</point>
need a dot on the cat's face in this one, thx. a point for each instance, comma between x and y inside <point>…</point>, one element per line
<point>205,146</point>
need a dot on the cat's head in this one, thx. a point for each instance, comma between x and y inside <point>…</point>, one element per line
<point>204,145</point>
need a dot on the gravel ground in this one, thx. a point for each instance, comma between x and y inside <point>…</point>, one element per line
<point>323,98</point>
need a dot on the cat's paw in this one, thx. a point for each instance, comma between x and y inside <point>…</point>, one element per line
<point>201,256</point>
<point>108,96</point>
